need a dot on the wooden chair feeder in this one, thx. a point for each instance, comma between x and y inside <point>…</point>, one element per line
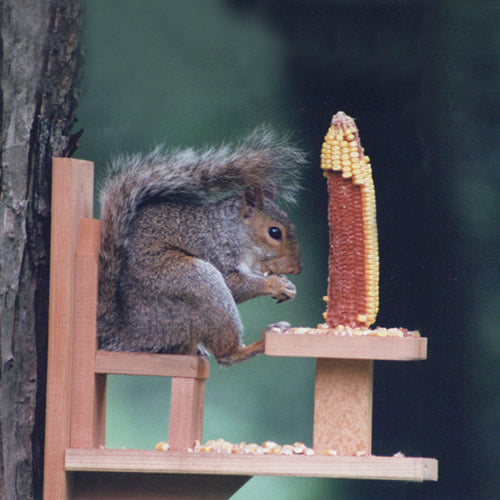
<point>77,464</point>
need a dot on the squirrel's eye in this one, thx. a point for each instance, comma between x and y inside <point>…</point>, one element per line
<point>275,233</point>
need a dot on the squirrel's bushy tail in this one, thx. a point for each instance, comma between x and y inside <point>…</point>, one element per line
<point>188,176</point>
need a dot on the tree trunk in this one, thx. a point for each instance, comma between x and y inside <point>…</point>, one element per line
<point>39,62</point>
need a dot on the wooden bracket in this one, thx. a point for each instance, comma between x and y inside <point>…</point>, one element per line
<point>344,381</point>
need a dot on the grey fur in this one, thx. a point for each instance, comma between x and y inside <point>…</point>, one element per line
<point>200,179</point>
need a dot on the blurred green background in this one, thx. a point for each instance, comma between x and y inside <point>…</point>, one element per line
<point>421,78</point>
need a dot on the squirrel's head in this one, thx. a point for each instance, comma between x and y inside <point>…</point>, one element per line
<point>273,231</point>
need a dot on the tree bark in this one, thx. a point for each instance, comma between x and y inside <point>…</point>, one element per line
<point>39,62</point>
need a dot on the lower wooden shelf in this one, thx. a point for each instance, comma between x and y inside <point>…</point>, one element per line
<point>173,462</point>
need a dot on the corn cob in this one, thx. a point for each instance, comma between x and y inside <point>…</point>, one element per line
<point>353,260</point>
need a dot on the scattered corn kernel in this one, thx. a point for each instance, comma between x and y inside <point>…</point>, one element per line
<point>269,444</point>
<point>347,331</point>
<point>398,454</point>
<point>330,452</point>
<point>162,446</point>
<point>221,446</point>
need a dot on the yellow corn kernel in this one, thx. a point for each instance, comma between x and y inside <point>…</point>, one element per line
<point>330,452</point>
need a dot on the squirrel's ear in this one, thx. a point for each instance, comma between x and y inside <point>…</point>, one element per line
<point>270,191</point>
<point>252,200</point>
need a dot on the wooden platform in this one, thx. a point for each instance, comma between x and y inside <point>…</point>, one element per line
<point>324,345</point>
<point>370,467</point>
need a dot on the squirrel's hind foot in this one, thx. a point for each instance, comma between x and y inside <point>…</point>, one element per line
<point>242,354</point>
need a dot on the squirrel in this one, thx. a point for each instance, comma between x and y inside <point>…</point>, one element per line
<point>187,235</point>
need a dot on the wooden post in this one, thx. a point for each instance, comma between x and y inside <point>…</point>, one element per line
<point>343,406</point>
<point>88,389</point>
<point>186,412</point>
<point>72,199</point>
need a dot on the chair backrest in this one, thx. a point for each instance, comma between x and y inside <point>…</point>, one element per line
<point>77,370</point>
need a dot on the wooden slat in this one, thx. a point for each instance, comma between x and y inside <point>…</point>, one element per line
<point>87,406</point>
<point>72,199</point>
<point>348,347</point>
<point>186,412</point>
<point>343,405</point>
<point>159,365</point>
<point>146,461</point>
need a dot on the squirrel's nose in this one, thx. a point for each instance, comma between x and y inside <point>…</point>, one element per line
<point>290,266</point>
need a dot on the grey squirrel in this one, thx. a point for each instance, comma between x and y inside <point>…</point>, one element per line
<point>186,236</point>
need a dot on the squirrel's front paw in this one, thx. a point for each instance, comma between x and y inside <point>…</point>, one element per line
<point>281,288</point>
